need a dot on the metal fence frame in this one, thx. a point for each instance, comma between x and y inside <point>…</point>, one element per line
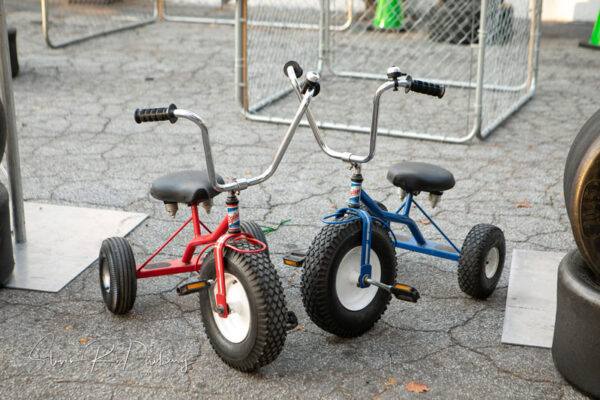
<point>477,130</point>
<point>228,21</point>
<point>46,31</point>
<point>161,14</point>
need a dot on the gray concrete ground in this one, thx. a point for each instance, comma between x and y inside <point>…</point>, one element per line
<point>79,146</point>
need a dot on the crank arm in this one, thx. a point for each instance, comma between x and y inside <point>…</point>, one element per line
<point>400,291</point>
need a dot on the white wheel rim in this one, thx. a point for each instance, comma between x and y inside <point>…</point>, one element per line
<point>492,259</point>
<point>105,276</point>
<point>349,294</point>
<point>236,326</point>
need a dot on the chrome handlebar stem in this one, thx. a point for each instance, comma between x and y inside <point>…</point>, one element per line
<point>243,183</point>
<point>347,156</point>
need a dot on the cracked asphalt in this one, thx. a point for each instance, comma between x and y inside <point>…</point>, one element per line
<point>79,146</point>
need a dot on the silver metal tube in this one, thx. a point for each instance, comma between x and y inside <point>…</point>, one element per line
<point>286,140</point>
<point>267,24</point>
<point>313,124</point>
<point>198,20</point>
<point>50,44</point>
<point>271,99</point>
<point>381,285</point>
<point>239,53</point>
<point>532,40</point>
<point>445,82</point>
<point>243,183</point>
<point>537,20</point>
<point>324,37</point>
<point>488,129</point>
<point>346,156</point>
<point>480,69</point>
<point>362,129</point>
<point>12,143</point>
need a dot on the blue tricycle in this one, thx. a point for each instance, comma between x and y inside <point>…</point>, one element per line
<point>349,270</point>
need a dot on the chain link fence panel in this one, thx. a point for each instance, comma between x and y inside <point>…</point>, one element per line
<point>431,40</point>
<point>66,22</point>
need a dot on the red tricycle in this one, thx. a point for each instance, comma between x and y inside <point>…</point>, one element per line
<point>241,297</point>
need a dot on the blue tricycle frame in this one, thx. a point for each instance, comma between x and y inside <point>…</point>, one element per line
<point>332,298</point>
<point>416,243</point>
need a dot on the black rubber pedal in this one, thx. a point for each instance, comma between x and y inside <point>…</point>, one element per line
<point>194,287</point>
<point>405,292</point>
<point>295,258</point>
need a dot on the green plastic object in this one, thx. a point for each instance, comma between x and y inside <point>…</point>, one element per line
<point>268,229</point>
<point>595,38</point>
<point>388,14</point>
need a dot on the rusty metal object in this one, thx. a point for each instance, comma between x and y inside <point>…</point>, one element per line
<point>582,191</point>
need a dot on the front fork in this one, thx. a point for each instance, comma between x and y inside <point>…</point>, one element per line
<point>233,231</point>
<point>367,226</point>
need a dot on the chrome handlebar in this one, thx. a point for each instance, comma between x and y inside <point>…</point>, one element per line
<point>243,183</point>
<point>305,95</point>
<point>347,156</point>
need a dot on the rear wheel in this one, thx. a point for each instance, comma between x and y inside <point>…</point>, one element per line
<point>330,293</point>
<point>118,281</point>
<point>481,261</point>
<point>254,331</point>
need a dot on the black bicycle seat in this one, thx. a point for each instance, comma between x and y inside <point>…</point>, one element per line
<point>190,187</point>
<point>420,177</point>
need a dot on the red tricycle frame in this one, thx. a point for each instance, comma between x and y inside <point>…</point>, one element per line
<point>227,231</point>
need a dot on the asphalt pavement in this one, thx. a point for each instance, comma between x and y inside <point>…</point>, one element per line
<point>80,146</point>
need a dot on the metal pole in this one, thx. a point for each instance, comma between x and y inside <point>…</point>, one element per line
<point>45,27</point>
<point>241,71</point>
<point>532,41</point>
<point>480,69</point>
<point>12,144</point>
<point>324,44</point>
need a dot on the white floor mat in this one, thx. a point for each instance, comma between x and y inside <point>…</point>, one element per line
<point>63,241</point>
<point>531,299</point>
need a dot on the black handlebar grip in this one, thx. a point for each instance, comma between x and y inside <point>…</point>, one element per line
<point>297,68</point>
<point>155,114</point>
<point>431,89</point>
<point>315,86</point>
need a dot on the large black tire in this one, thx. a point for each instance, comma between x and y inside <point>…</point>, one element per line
<point>331,299</point>
<point>576,343</point>
<point>118,281</point>
<point>254,332</point>
<point>481,261</point>
<point>581,185</point>
<point>252,228</point>
<point>7,261</point>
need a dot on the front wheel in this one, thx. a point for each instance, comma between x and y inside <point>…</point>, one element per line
<point>330,292</point>
<point>255,230</point>
<point>254,331</point>
<point>481,261</point>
